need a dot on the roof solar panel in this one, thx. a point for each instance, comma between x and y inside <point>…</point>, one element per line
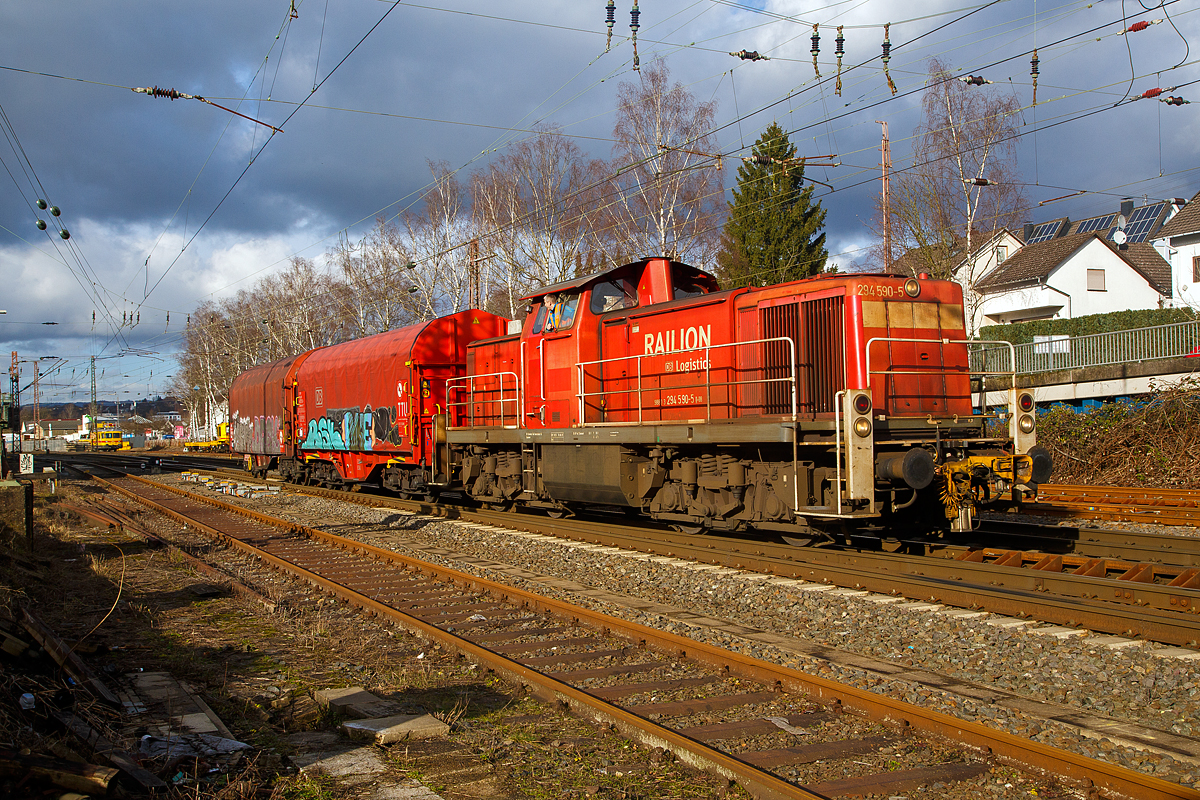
<point>1096,223</point>
<point>1045,232</point>
<point>1141,222</point>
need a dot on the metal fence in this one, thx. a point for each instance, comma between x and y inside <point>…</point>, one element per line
<point>1050,353</point>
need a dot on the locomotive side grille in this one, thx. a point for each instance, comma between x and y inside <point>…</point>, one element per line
<point>816,328</point>
<point>823,354</point>
<point>778,321</point>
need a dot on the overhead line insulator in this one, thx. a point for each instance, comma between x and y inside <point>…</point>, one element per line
<point>1140,26</point>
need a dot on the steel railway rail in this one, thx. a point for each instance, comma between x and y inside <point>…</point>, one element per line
<point>598,666</point>
<point>1165,548</point>
<point>1158,602</point>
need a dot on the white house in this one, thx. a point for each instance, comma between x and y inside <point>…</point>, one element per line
<point>1073,276</point>
<point>986,258</point>
<point>1179,241</point>
<point>1063,269</point>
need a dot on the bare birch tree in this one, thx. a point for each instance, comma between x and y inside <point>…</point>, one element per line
<point>374,278</point>
<point>962,186</point>
<point>666,195</point>
<point>298,310</point>
<point>530,207</point>
<point>437,237</point>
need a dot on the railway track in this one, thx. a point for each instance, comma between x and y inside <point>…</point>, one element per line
<point>1157,601</point>
<point>1118,504</point>
<point>776,731</point>
<point>1116,582</point>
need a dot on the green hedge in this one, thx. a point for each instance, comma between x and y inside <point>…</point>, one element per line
<point>1023,332</point>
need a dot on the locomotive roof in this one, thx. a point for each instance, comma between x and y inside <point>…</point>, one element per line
<point>584,280</point>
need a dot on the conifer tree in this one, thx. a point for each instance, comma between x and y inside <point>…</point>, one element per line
<point>774,232</point>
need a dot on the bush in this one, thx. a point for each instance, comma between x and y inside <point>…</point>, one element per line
<point>1023,332</point>
<point>1150,442</point>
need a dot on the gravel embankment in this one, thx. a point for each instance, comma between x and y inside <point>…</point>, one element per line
<point>1129,683</point>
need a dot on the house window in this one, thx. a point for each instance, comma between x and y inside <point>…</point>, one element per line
<point>1095,280</point>
<point>1001,253</point>
<point>1196,269</point>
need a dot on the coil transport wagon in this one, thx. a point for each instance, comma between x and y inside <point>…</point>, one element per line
<point>358,411</point>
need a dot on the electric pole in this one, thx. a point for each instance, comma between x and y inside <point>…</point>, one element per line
<point>37,402</point>
<point>14,378</point>
<point>92,431</point>
<point>474,292</point>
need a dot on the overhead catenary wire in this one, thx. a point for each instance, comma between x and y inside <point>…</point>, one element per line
<point>391,8</point>
<point>171,94</point>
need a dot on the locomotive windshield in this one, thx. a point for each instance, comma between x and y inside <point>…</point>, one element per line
<point>687,282</point>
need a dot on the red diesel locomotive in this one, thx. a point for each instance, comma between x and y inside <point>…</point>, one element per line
<point>807,408</point>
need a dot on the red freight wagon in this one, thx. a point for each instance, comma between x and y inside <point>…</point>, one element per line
<point>366,407</point>
<point>357,411</point>
<point>260,413</point>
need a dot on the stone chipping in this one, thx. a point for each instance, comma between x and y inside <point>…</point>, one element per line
<point>1133,681</point>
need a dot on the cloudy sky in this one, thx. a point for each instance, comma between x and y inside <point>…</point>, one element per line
<point>170,203</point>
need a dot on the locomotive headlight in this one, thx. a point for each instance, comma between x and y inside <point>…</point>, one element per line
<point>1025,403</point>
<point>862,404</point>
<point>1026,423</point>
<point>862,427</point>
<point>912,287</point>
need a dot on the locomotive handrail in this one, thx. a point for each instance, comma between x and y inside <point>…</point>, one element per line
<point>791,378</point>
<point>452,384</point>
<point>708,384</point>
<point>945,370</point>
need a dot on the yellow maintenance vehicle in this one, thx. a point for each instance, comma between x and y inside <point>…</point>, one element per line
<point>218,445</point>
<point>108,437</point>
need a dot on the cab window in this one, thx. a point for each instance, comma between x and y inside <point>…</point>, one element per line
<point>613,295</point>
<point>685,286</point>
<point>557,313</point>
